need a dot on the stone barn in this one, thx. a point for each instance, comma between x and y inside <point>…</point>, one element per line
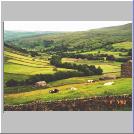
<point>126,69</point>
<point>40,84</point>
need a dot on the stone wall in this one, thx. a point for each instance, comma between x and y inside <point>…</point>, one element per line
<point>126,69</point>
<point>107,103</point>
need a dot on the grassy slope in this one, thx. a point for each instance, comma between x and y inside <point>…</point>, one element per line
<point>124,45</point>
<point>74,80</point>
<point>12,35</point>
<point>102,51</point>
<point>85,38</point>
<point>20,66</point>
<point>107,66</point>
<point>121,86</point>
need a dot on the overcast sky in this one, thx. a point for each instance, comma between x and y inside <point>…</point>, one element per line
<point>59,25</point>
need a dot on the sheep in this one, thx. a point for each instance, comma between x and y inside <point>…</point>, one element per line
<point>108,83</point>
<point>73,88</point>
<point>54,91</point>
<point>90,81</point>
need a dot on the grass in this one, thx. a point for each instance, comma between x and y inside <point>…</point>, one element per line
<point>102,51</point>
<point>78,80</point>
<point>29,70</point>
<point>107,66</point>
<point>124,45</point>
<point>74,80</point>
<point>18,77</point>
<point>19,67</point>
<point>121,86</point>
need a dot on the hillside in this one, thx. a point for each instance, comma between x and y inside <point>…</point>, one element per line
<point>13,35</point>
<point>19,66</point>
<point>68,66</point>
<point>74,41</point>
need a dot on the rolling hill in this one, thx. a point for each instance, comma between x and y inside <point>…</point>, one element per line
<point>20,66</point>
<point>28,59</point>
<point>13,35</point>
<point>73,41</point>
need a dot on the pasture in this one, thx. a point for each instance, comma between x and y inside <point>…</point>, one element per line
<point>103,51</point>
<point>107,66</point>
<point>54,84</point>
<point>124,45</point>
<point>46,54</point>
<point>84,90</point>
<point>20,67</point>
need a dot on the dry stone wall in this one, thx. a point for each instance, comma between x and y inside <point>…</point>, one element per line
<point>107,103</point>
<point>126,69</point>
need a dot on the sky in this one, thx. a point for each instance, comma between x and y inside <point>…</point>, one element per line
<point>59,25</point>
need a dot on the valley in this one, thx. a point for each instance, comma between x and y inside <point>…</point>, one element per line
<point>67,62</point>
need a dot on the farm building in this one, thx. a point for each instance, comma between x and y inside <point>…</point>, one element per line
<point>126,69</point>
<point>40,84</point>
<point>108,77</point>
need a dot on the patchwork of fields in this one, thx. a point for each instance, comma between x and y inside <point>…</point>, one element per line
<point>107,66</point>
<point>19,66</point>
<point>117,46</point>
<point>22,70</point>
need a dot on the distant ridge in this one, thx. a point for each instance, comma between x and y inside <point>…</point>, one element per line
<point>53,41</point>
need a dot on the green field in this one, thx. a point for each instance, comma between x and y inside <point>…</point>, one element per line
<point>74,80</point>
<point>102,51</point>
<point>117,54</point>
<point>107,66</point>
<point>124,45</point>
<point>25,57</point>
<point>120,87</point>
<point>20,67</point>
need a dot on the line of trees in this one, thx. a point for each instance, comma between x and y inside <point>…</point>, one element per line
<point>98,56</point>
<point>44,77</point>
<point>32,53</point>
<point>121,59</point>
<point>80,70</point>
<point>87,70</point>
<point>84,56</point>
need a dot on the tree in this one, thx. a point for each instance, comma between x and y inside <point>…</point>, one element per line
<point>99,52</point>
<point>11,83</point>
<point>99,70</point>
<point>110,57</point>
<point>130,52</point>
<point>55,60</point>
<point>33,53</point>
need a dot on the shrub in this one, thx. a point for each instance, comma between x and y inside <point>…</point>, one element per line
<point>12,83</point>
<point>110,57</point>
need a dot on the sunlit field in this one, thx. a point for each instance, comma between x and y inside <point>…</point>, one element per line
<point>67,65</point>
<point>121,86</point>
